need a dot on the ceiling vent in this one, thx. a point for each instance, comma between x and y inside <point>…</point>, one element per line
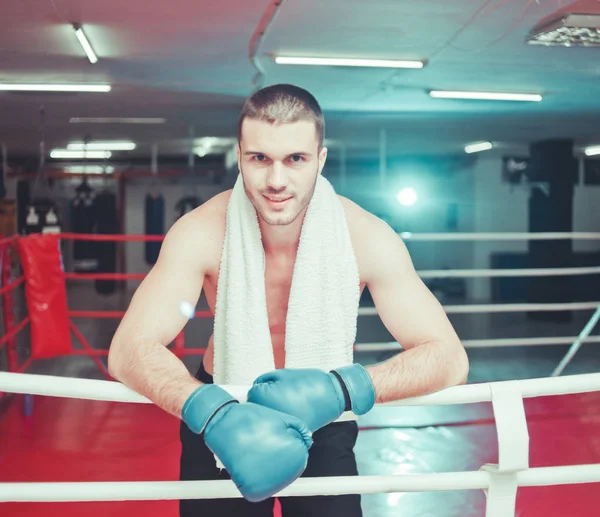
<point>576,25</point>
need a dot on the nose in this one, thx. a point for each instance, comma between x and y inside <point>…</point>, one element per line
<point>277,178</point>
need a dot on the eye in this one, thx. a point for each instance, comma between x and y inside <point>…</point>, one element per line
<point>260,157</point>
<point>296,158</point>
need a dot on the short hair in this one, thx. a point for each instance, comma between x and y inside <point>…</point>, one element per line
<point>283,104</point>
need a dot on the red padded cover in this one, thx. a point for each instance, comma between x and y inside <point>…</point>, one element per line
<point>46,294</point>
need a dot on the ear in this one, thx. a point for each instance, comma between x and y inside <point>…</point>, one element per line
<point>239,157</point>
<point>322,159</point>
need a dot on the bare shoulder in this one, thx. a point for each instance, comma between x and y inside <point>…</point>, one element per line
<point>210,215</point>
<point>200,233</point>
<point>374,241</point>
<point>363,225</point>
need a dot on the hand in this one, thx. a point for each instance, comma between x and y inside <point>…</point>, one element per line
<point>316,397</point>
<point>262,449</point>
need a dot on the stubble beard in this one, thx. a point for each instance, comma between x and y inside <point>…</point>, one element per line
<point>280,218</point>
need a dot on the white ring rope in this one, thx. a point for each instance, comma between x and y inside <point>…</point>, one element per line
<point>484,343</point>
<point>110,391</point>
<point>514,236</point>
<point>468,273</point>
<point>172,490</point>
<point>507,307</point>
<point>499,236</point>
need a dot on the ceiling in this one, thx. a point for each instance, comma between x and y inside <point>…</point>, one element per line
<point>188,61</point>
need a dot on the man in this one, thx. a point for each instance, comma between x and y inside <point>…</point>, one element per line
<point>288,426</point>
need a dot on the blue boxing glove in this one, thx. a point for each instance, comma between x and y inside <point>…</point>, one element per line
<point>262,449</point>
<point>316,397</point>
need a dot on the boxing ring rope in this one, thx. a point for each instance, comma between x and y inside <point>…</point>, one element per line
<point>500,482</point>
<point>500,236</point>
<point>576,342</point>
<point>496,273</point>
<point>173,490</point>
<point>507,307</point>
<point>482,343</point>
<point>110,391</point>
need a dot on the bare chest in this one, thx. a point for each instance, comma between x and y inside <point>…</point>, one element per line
<point>278,282</point>
<point>277,290</point>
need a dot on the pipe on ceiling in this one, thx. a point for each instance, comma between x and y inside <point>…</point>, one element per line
<point>259,34</point>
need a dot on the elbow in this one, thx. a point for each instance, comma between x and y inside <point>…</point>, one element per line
<point>115,361</point>
<point>461,367</point>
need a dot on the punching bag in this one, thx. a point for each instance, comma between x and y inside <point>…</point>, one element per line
<point>3,181</point>
<point>46,295</point>
<point>83,220</point>
<point>107,223</point>
<point>155,225</point>
<point>552,162</point>
<point>23,200</point>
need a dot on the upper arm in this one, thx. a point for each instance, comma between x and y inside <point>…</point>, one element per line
<point>405,305</point>
<point>154,313</point>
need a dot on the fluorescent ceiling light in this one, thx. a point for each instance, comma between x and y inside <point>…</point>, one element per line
<point>215,141</point>
<point>592,151</point>
<point>89,169</point>
<point>327,61</point>
<point>478,147</point>
<point>101,146</point>
<point>208,144</point>
<point>89,51</point>
<point>55,87</point>
<point>116,120</point>
<point>491,96</point>
<point>66,154</point>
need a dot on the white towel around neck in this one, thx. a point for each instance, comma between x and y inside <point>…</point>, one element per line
<point>324,298</point>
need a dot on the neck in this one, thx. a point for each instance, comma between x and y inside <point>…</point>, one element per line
<point>281,240</point>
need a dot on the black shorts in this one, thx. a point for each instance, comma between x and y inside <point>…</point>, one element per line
<point>332,454</point>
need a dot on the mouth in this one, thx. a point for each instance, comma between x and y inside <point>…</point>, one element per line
<point>277,201</point>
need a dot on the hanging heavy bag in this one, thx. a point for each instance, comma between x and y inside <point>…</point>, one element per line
<point>23,200</point>
<point>2,182</point>
<point>155,225</point>
<point>107,223</point>
<point>83,221</point>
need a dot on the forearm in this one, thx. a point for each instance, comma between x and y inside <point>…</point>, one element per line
<point>154,372</point>
<point>423,369</point>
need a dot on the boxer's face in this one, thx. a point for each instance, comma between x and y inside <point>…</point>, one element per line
<point>280,164</point>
